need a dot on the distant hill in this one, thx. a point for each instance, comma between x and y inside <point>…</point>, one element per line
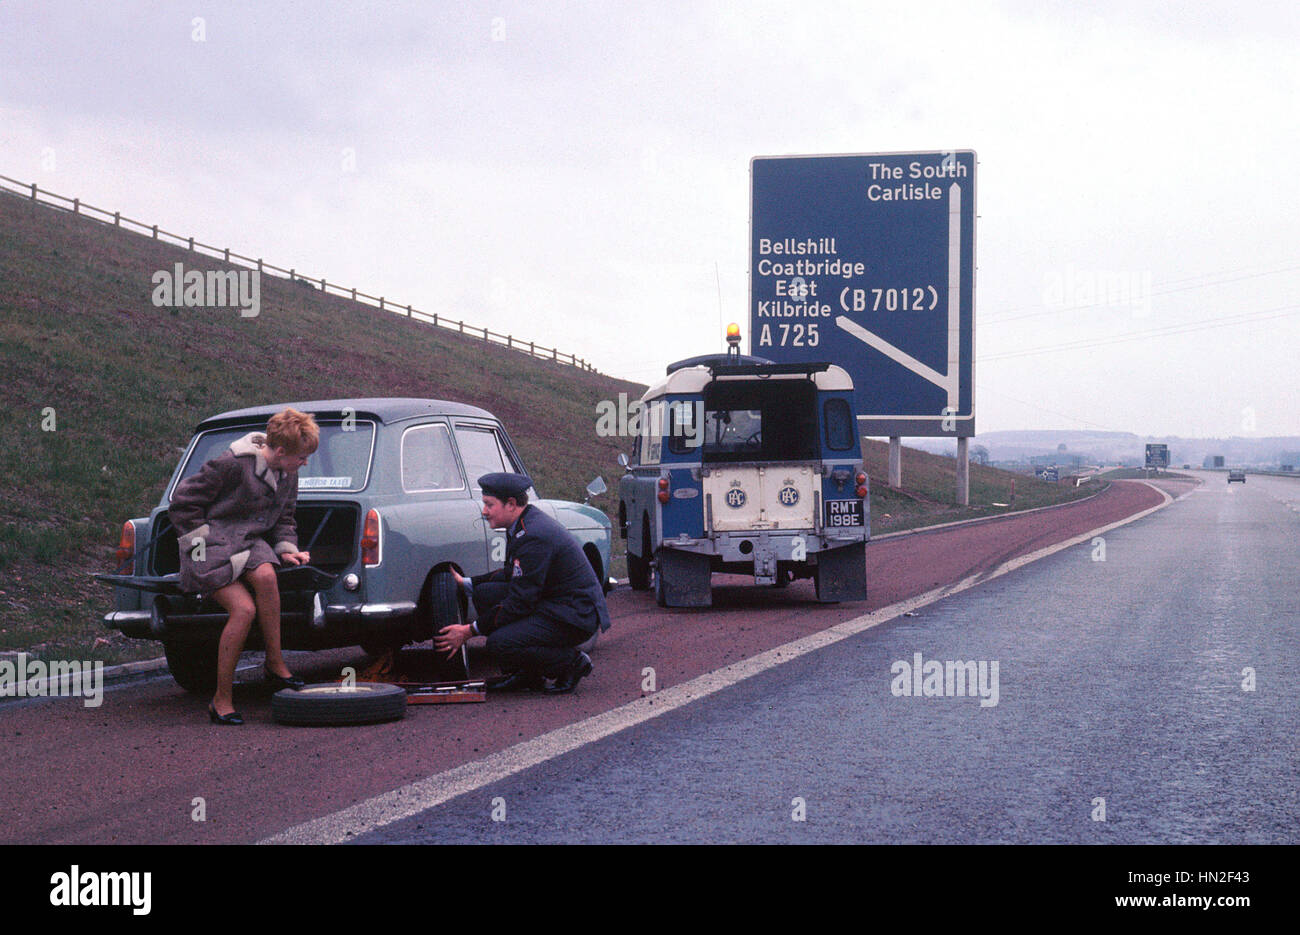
<point>1126,447</point>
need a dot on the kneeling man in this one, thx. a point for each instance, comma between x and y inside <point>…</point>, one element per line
<point>538,608</point>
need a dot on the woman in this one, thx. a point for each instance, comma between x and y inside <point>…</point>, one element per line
<point>238,515</point>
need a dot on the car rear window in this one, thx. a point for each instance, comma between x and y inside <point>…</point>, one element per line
<point>342,462</point>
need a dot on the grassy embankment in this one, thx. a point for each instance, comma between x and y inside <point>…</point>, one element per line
<point>122,384</point>
<point>928,495</point>
<point>127,381</point>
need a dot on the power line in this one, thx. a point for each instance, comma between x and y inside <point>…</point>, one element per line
<point>1202,285</point>
<point>1280,311</point>
<point>1063,415</point>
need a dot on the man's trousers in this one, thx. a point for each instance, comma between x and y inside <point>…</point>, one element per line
<point>532,644</point>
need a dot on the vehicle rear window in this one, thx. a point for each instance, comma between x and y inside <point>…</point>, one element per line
<point>342,462</point>
<point>760,421</point>
<point>839,424</point>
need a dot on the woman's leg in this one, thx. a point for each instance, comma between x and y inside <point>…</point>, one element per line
<point>235,598</point>
<point>266,593</point>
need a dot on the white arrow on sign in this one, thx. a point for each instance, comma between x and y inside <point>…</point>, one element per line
<point>945,381</point>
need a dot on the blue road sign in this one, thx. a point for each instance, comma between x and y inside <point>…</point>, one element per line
<point>868,261</point>
<point>1157,456</point>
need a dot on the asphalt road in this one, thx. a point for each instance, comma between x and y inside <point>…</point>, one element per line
<point>1118,679</point>
<point>146,767</point>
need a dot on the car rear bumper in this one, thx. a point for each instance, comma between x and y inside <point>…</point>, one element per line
<point>320,623</point>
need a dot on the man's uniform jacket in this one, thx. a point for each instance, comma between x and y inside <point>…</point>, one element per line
<point>548,575</point>
<point>237,506</point>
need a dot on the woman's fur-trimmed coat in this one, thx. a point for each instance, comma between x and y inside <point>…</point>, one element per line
<point>228,515</point>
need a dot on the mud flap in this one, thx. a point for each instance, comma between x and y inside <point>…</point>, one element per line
<point>842,574</point>
<point>684,579</point>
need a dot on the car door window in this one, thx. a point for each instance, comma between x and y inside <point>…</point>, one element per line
<point>483,453</point>
<point>428,462</point>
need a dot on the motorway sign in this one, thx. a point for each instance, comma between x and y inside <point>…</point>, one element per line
<point>868,261</point>
<point>1157,456</point>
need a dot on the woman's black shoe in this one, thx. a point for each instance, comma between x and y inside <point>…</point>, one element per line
<point>233,719</point>
<point>279,681</point>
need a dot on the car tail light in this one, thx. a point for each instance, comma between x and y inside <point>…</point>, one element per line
<point>370,539</point>
<point>664,496</point>
<point>861,480</point>
<point>126,550</point>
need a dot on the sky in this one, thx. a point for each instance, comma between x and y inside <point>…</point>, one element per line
<point>577,174</point>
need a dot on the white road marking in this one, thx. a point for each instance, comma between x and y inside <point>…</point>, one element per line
<point>416,797</point>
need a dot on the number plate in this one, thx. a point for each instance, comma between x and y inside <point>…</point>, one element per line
<point>844,513</point>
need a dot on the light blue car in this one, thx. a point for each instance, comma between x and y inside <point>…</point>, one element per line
<point>387,506</point>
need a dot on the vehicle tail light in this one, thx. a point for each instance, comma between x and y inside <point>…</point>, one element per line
<point>126,550</point>
<point>663,490</point>
<point>861,480</point>
<point>370,539</point>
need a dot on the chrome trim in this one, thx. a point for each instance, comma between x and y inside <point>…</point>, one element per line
<point>127,616</point>
<point>387,610</point>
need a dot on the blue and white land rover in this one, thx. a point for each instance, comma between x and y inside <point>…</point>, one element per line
<point>741,465</point>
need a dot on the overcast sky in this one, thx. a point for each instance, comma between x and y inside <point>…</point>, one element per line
<point>577,174</point>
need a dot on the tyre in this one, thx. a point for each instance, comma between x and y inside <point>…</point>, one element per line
<point>594,558</point>
<point>193,664</point>
<point>638,572</point>
<point>442,598</point>
<point>817,584</point>
<point>661,592</point>
<point>638,567</point>
<point>332,703</point>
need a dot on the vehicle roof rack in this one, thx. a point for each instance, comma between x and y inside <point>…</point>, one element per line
<point>713,360</point>
<point>730,369</point>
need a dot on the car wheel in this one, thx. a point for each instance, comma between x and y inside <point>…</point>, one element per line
<point>661,592</point>
<point>335,703</point>
<point>638,566</point>
<point>193,664</point>
<point>638,572</point>
<point>817,584</point>
<point>442,598</point>
<point>594,558</point>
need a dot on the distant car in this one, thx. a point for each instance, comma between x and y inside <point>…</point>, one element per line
<point>1236,475</point>
<point>387,506</point>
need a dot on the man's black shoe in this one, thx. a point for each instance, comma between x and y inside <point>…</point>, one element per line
<point>517,682</point>
<point>571,676</point>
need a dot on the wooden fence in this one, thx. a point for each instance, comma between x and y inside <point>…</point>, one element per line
<point>226,255</point>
